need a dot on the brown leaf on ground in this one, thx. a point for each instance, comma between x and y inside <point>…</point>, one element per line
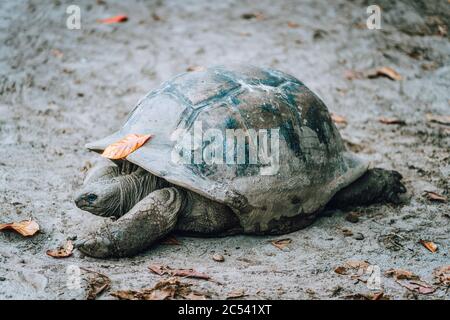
<point>369,296</point>
<point>378,295</point>
<point>293,25</point>
<point>438,119</point>
<point>433,196</point>
<point>442,275</point>
<point>352,265</point>
<point>338,119</point>
<point>253,15</point>
<point>238,293</point>
<point>62,252</point>
<point>170,240</point>
<point>384,72</point>
<point>341,270</point>
<point>57,53</point>
<point>97,284</point>
<point>442,30</point>
<point>352,75</point>
<point>244,34</point>
<point>156,17</point>
<point>116,19</point>
<point>431,246</point>
<point>347,232</point>
<point>400,274</point>
<point>185,273</point>
<point>26,228</point>
<point>416,286</point>
<point>385,120</point>
<point>164,290</point>
<point>122,148</point>
<point>195,68</point>
<point>218,257</point>
<point>281,243</point>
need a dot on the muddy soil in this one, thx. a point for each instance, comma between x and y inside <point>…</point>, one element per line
<point>61,88</point>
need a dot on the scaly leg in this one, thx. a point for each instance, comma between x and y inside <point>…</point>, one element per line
<point>150,219</point>
<point>375,186</point>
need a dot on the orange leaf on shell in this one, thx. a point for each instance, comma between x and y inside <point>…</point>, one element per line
<point>122,148</point>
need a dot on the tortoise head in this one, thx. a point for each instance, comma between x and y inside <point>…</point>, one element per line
<point>102,198</point>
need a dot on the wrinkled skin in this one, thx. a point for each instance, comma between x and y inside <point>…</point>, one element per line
<point>148,208</point>
<point>111,191</point>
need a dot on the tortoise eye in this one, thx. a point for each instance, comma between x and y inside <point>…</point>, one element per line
<point>91,197</point>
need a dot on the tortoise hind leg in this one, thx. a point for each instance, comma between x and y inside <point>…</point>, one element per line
<point>375,186</point>
<point>150,219</point>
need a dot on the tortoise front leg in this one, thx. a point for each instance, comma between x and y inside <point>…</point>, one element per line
<point>150,219</point>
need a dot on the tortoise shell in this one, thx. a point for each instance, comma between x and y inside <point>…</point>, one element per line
<point>301,161</point>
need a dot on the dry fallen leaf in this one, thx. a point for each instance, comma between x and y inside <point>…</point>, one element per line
<point>218,257</point>
<point>26,227</point>
<point>417,286</point>
<point>253,15</point>
<point>170,240</point>
<point>369,296</point>
<point>431,246</point>
<point>386,120</point>
<point>293,24</point>
<point>281,243</point>
<point>438,119</point>
<point>125,146</point>
<point>238,293</point>
<point>433,196</point>
<point>352,265</point>
<point>442,275</point>
<point>352,74</point>
<point>195,68</point>
<point>62,252</point>
<point>347,232</point>
<point>378,295</point>
<point>400,274</point>
<point>97,284</point>
<point>156,17</point>
<point>244,34</point>
<point>186,273</point>
<point>338,119</point>
<point>57,53</point>
<point>115,19</point>
<point>442,30</point>
<point>384,72</point>
<point>165,289</point>
<point>341,270</point>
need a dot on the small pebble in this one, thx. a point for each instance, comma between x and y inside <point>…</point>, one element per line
<point>359,236</point>
<point>218,258</point>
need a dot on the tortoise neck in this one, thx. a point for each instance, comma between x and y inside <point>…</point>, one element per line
<point>134,187</point>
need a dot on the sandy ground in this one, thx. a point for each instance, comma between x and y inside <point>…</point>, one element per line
<point>61,88</point>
